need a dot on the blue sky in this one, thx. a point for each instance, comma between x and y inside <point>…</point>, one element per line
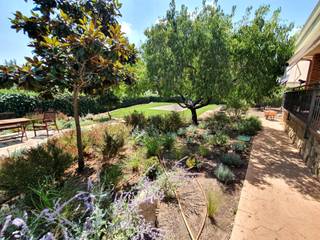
<point>137,15</point>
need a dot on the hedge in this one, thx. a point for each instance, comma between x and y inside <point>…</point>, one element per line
<point>22,103</point>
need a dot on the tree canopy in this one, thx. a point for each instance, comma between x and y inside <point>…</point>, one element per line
<point>78,46</point>
<point>260,48</point>
<point>187,55</point>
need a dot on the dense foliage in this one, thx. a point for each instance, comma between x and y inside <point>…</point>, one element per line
<point>21,173</point>
<point>22,104</point>
<point>187,55</point>
<point>261,45</point>
<point>78,46</point>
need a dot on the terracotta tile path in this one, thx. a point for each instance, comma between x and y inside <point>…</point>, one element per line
<point>280,198</point>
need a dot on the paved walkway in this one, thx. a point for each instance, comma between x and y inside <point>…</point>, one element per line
<point>280,199</point>
<point>10,147</point>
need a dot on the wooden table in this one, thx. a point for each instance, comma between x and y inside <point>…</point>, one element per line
<point>14,123</point>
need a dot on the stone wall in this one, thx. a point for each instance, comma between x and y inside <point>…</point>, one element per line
<point>309,146</point>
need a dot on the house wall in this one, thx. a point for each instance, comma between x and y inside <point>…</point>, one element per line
<point>314,74</point>
<point>309,148</point>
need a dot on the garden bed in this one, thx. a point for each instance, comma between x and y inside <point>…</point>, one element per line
<point>162,164</point>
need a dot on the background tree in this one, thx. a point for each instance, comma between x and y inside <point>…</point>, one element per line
<point>187,55</point>
<point>78,46</point>
<point>260,48</point>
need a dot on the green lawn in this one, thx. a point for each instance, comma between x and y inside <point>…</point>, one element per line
<point>146,109</point>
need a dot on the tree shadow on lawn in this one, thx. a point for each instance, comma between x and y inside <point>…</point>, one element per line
<point>274,157</point>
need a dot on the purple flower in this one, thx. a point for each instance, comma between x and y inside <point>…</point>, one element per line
<point>48,236</point>
<point>6,225</point>
<point>18,222</point>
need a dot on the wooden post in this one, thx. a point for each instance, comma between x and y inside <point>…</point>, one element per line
<point>313,100</point>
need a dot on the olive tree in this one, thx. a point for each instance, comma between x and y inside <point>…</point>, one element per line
<point>187,55</point>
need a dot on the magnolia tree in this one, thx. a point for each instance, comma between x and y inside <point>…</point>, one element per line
<point>187,55</point>
<point>78,46</point>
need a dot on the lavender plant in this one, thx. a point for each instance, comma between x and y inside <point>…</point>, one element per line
<point>94,217</point>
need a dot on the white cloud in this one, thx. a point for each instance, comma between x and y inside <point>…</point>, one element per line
<point>133,35</point>
<point>127,28</point>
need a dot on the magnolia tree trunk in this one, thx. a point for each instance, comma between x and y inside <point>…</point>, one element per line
<point>78,129</point>
<point>194,116</point>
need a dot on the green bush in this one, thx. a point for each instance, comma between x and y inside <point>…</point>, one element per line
<point>169,123</point>
<point>20,104</point>
<point>111,175</point>
<point>153,145</point>
<point>224,174</point>
<point>219,122</point>
<point>249,126</point>
<point>172,122</point>
<point>134,162</point>
<point>239,147</point>
<point>112,144</point>
<point>236,105</point>
<point>155,123</point>
<point>45,194</point>
<point>204,151</point>
<point>219,139</point>
<point>168,140</point>
<point>136,119</point>
<point>232,159</point>
<point>32,167</point>
<point>168,184</point>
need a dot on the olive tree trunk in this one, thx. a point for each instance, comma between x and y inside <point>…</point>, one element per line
<point>78,128</point>
<point>194,116</point>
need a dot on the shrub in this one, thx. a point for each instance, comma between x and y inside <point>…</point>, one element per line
<point>219,122</point>
<point>169,183</point>
<point>218,139</point>
<point>136,119</point>
<point>168,140</point>
<point>112,144</point>
<point>111,175</point>
<point>232,159</point>
<point>93,215</point>
<point>169,123</point>
<point>236,105</point>
<point>153,145</point>
<point>135,162</point>
<point>181,132</point>
<point>45,194</point>
<point>179,151</point>
<point>156,123</point>
<point>172,122</point>
<point>138,136</point>
<point>193,162</point>
<point>213,202</point>
<point>32,167</point>
<point>239,147</point>
<point>224,174</point>
<point>152,167</point>
<point>249,126</point>
<point>204,151</point>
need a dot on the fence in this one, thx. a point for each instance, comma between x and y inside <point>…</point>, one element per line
<point>304,103</point>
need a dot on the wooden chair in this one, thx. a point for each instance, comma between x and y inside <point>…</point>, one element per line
<point>269,114</point>
<point>49,119</point>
